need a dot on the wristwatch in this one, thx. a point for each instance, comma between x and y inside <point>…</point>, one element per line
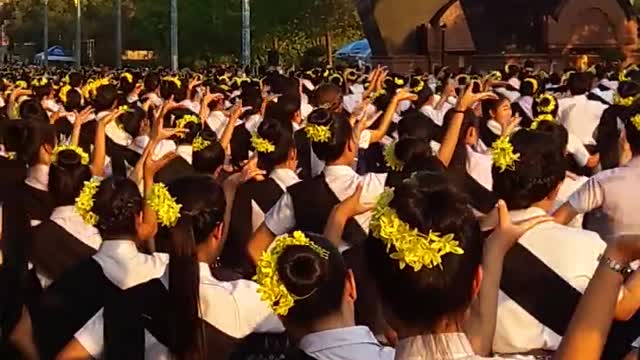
<point>622,269</point>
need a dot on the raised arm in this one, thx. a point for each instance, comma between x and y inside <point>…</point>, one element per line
<point>379,133</point>
<point>100,143</point>
<point>227,133</point>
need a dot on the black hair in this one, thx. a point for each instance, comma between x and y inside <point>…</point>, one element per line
<point>558,133</point>
<point>32,109</point>
<point>489,105</point>
<point>420,299</point>
<point>74,100</point>
<point>39,92</point>
<point>66,177</point>
<point>193,129</point>
<point>424,96</point>
<point>579,83</point>
<point>202,211</point>
<point>416,124</point>
<point>529,86</point>
<point>151,82</point>
<point>544,102</point>
<point>319,282</point>
<point>25,138</point>
<point>281,137</point>
<point>328,96</point>
<point>632,132</point>
<point>125,86</point>
<point>106,97</point>
<point>209,159</point>
<point>413,152</point>
<point>169,88</point>
<point>131,120</point>
<point>117,203</point>
<point>459,160</point>
<point>75,79</point>
<point>341,134</point>
<point>539,170</point>
<point>284,109</point>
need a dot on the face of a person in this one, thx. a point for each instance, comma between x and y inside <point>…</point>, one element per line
<point>503,113</point>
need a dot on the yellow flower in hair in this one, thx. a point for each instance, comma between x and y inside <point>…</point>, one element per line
<point>533,82</point>
<point>84,157</point>
<point>271,288</point>
<point>410,246</point>
<point>399,81</point>
<point>63,93</point>
<point>552,103</point>
<point>336,77</point>
<point>11,155</point>
<point>390,157</point>
<point>127,76</point>
<point>419,86</point>
<point>199,144</point>
<point>166,208</point>
<point>502,154</point>
<point>566,76</point>
<point>318,133</point>
<point>84,202</point>
<point>173,79</point>
<point>262,145</point>
<point>636,121</point>
<point>38,82</point>
<point>21,84</point>
<point>540,118</point>
<point>182,123</point>
<point>125,108</point>
<point>623,76</point>
<point>626,102</point>
<point>66,79</point>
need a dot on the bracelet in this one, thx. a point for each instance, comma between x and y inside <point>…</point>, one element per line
<point>622,269</point>
<point>456,111</point>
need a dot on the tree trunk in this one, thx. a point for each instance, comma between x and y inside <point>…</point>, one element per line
<point>327,37</point>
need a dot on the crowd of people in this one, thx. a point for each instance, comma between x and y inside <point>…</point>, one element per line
<point>327,213</point>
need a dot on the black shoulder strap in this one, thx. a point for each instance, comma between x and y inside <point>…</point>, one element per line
<point>538,289</point>
<point>303,146</point>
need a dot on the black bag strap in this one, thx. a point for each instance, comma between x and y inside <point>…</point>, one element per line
<point>538,289</point>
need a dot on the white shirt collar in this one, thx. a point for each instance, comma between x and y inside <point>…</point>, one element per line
<point>334,338</point>
<point>186,152</point>
<point>495,127</point>
<point>125,266</point>
<point>456,345</point>
<point>284,177</point>
<point>338,171</point>
<point>118,135</point>
<point>69,219</point>
<point>139,144</point>
<point>38,177</point>
<point>526,214</point>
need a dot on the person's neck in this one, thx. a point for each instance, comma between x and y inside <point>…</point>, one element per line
<point>205,255</point>
<point>342,161</point>
<point>445,326</point>
<point>546,204</point>
<point>286,165</point>
<point>338,320</point>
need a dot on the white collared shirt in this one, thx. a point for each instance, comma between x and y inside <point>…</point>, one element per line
<point>125,267</point>
<point>38,177</point>
<point>614,192</point>
<point>186,152</point>
<point>118,135</point>
<point>342,181</point>
<point>434,114</point>
<point>572,254</point>
<point>69,219</point>
<point>164,147</point>
<point>139,143</point>
<point>356,342</point>
<point>284,178</point>
<point>580,116</point>
<point>253,122</point>
<point>479,167</point>
<point>217,121</point>
<point>525,103</point>
<point>569,186</point>
<point>451,346</point>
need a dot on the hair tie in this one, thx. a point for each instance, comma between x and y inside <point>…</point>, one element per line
<point>318,133</point>
<point>390,157</point>
<point>271,288</point>
<point>262,145</point>
<point>164,205</point>
<point>84,157</point>
<point>502,154</point>
<point>84,201</point>
<point>199,144</point>
<point>412,247</point>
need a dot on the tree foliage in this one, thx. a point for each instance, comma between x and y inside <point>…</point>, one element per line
<point>208,29</point>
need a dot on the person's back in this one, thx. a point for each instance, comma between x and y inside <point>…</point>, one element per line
<point>579,114</point>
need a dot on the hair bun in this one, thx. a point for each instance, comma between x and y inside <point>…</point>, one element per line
<point>320,117</point>
<point>301,270</point>
<point>68,159</point>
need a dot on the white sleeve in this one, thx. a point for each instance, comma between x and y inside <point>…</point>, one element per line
<point>91,336</point>
<point>365,139</point>
<point>590,196</point>
<point>577,149</point>
<point>281,218</point>
<point>255,315</point>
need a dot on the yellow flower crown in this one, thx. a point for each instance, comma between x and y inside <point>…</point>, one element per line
<point>412,247</point>
<point>398,81</point>
<point>623,74</point>
<point>84,157</point>
<point>533,82</point>
<point>318,133</point>
<point>166,208</point>
<point>21,84</point>
<point>271,289</point>
<point>127,76</point>
<point>262,145</point>
<point>173,79</point>
<point>636,121</point>
<point>502,154</point>
<point>552,103</point>
<point>338,77</point>
<point>626,102</point>
<point>183,121</point>
<point>540,118</point>
<point>494,75</point>
<point>390,157</point>
<point>41,81</point>
<point>418,87</point>
<point>199,144</point>
<point>91,88</point>
<point>84,202</point>
<point>377,94</point>
<point>63,93</point>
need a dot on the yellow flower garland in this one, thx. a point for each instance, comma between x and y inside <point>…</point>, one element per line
<point>199,144</point>
<point>418,87</point>
<point>552,103</point>
<point>37,82</point>
<point>84,202</point>
<point>636,121</point>
<point>84,157</point>
<point>21,84</point>
<point>533,82</point>
<point>164,205</point>
<point>262,145</point>
<point>626,102</point>
<point>63,93</point>
<point>271,289</point>
<point>173,79</point>
<point>539,118</point>
<point>411,247</point>
<point>318,133</point>
<point>390,157</point>
<point>502,154</point>
<point>125,108</point>
<point>183,121</point>
<point>127,76</point>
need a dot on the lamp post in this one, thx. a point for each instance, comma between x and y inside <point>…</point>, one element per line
<point>118,5</point>
<point>174,35</point>
<point>246,32</point>
<point>78,33</point>
<point>443,28</point>
<point>45,45</point>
